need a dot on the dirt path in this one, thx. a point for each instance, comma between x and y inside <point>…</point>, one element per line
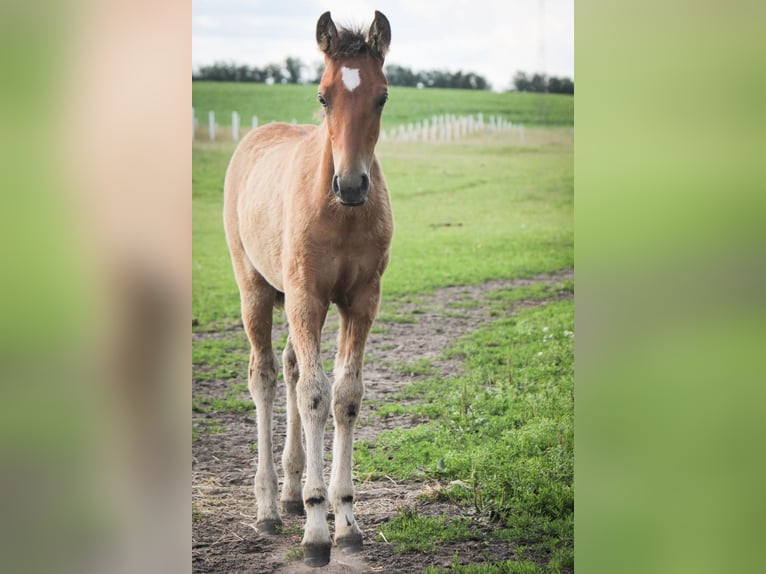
<point>223,532</point>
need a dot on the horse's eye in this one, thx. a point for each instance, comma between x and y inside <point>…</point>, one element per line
<point>382,101</point>
<point>322,101</point>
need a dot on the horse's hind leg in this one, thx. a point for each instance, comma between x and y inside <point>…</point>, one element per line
<point>355,321</point>
<point>293,458</point>
<point>257,300</point>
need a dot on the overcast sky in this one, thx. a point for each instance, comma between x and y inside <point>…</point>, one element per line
<point>494,38</point>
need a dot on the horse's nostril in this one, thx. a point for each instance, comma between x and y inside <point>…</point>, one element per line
<point>365,182</point>
<point>336,184</point>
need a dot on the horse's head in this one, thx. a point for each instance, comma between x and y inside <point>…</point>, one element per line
<point>353,91</point>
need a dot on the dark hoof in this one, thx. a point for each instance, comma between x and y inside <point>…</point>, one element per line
<point>350,544</point>
<point>268,527</point>
<point>293,507</point>
<point>316,555</point>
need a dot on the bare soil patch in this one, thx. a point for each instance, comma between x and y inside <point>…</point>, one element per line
<point>223,517</point>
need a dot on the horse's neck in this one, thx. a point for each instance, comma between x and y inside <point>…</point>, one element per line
<point>325,168</point>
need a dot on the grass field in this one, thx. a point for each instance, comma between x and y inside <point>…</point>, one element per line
<point>495,440</point>
<point>288,102</point>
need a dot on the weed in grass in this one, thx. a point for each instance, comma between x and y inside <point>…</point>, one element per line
<point>294,530</point>
<point>507,567</point>
<point>208,426</point>
<point>221,358</point>
<point>465,304</point>
<point>229,404</point>
<point>294,554</point>
<point>418,368</point>
<point>409,531</point>
<point>398,319</point>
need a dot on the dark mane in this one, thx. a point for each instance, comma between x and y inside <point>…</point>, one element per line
<point>351,42</point>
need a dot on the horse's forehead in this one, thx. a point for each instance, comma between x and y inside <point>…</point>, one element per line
<point>353,73</point>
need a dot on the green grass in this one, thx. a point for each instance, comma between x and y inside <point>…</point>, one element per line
<point>502,435</point>
<point>500,438</point>
<point>409,531</point>
<point>514,203</point>
<point>208,426</point>
<point>288,102</point>
<point>229,404</point>
<point>224,358</point>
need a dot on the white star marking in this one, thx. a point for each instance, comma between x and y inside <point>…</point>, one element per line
<point>350,78</point>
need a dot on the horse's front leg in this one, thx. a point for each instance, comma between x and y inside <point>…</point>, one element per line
<point>306,315</point>
<point>355,321</point>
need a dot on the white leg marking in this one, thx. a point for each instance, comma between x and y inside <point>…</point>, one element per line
<point>293,458</point>
<point>347,398</point>
<point>351,78</point>
<point>262,381</point>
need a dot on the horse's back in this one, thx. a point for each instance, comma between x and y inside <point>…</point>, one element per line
<point>261,149</point>
<point>255,181</point>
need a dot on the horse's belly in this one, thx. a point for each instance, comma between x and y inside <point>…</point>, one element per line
<point>268,264</point>
<point>262,239</point>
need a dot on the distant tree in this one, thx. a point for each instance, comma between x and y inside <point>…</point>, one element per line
<point>259,75</point>
<point>400,76</point>
<point>318,72</point>
<point>275,73</point>
<point>476,82</point>
<point>560,85</point>
<point>540,83</point>
<point>294,68</point>
<point>521,82</point>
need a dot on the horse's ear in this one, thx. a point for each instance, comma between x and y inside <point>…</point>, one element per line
<point>379,36</point>
<point>326,32</point>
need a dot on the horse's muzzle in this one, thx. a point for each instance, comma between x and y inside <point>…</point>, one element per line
<point>351,190</point>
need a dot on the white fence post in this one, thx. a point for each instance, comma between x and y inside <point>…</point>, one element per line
<point>235,126</point>
<point>211,126</point>
<point>255,122</point>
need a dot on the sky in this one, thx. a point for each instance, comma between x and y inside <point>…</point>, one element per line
<point>494,38</point>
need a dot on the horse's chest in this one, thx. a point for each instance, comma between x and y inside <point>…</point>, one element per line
<point>346,263</point>
<point>351,262</point>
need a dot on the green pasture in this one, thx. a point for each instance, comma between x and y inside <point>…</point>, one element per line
<point>498,440</point>
<point>464,212</point>
<point>298,102</point>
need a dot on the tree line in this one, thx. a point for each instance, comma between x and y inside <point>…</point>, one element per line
<point>542,83</point>
<point>294,71</point>
<point>289,72</point>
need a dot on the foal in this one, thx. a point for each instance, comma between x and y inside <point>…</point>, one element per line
<point>308,220</point>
